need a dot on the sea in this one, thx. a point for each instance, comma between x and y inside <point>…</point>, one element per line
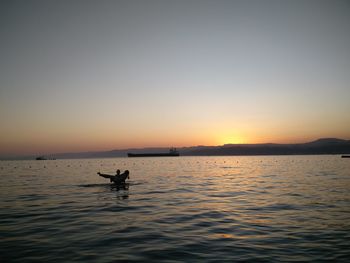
<point>177,209</point>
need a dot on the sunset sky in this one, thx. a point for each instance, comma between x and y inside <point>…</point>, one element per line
<point>102,75</point>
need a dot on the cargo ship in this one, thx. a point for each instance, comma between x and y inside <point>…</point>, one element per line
<point>42,158</point>
<point>172,152</point>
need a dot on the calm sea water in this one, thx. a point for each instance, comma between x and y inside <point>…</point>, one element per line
<point>186,209</point>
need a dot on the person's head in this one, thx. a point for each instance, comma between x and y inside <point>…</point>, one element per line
<point>127,173</point>
<point>118,172</point>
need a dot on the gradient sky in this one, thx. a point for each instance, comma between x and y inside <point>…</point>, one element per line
<point>99,75</point>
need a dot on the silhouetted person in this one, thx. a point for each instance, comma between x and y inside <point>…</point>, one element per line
<point>117,179</point>
<point>117,174</point>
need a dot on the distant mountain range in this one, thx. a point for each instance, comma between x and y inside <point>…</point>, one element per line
<point>320,146</point>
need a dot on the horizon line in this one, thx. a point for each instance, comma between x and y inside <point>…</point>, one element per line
<point>4,156</point>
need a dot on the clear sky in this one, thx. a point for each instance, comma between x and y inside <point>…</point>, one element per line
<point>100,75</point>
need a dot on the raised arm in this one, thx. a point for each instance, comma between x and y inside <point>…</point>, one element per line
<point>106,175</point>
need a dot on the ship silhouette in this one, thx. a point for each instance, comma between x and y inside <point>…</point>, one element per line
<point>172,152</point>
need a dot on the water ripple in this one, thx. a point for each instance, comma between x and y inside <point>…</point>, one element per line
<point>204,209</point>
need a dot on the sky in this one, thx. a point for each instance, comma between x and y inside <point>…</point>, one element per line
<point>102,75</point>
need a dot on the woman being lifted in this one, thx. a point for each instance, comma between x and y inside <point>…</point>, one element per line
<point>118,178</point>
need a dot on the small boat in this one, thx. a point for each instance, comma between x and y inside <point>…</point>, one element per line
<point>172,152</point>
<point>345,156</point>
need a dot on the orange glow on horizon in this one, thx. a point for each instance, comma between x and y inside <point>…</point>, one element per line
<point>101,139</point>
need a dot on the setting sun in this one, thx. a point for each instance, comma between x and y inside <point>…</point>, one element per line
<point>231,138</point>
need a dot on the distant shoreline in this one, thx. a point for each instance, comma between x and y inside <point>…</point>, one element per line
<point>111,157</point>
<point>325,146</point>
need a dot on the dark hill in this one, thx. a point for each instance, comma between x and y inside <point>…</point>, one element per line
<point>320,146</point>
